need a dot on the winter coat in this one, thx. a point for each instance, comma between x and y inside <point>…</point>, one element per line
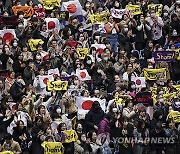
<point>28,76</point>
<point>93,117</point>
<point>17,133</point>
<point>69,104</point>
<point>104,126</point>
<point>16,91</point>
<point>14,147</point>
<point>128,113</point>
<point>4,124</point>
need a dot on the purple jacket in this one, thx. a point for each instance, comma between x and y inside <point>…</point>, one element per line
<point>103,126</point>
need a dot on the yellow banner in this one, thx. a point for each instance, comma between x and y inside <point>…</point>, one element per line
<point>174,115</point>
<point>177,87</point>
<point>157,8</point>
<point>27,10</point>
<point>34,42</point>
<point>151,74</point>
<point>57,85</point>
<point>53,147</point>
<point>50,4</point>
<point>70,136</point>
<point>99,18</point>
<point>6,152</point>
<point>82,52</point>
<point>121,99</point>
<point>134,9</point>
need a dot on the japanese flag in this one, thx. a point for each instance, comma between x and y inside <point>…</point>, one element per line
<point>52,24</point>
<point>73,7</point>
<point>99,47</point>
<point>84,104</point>
<point>54,72</point>
<point>83,75</point>
<point>7,35</point>
<point>43,80</point>
<point>139,81</point>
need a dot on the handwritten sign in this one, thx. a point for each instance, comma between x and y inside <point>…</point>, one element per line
<point>28,10</point>
<point>164,56</point>
<point>63,15</point>
<point>39,12</point>
<point>50,4</point>
<point>144,98</point>
<point>70,136</point>
<point>151,74</point>
<point>174,116</point>
<point>57,85</point>
<point>157,8</point>
<point>82,52</point>
<point>53,147</point>
<point>10,20</point>
<point>118,13</point>
<point>134,9</point>
<point>99,18</point>
<point>121,99</point>
<point>33,43</point>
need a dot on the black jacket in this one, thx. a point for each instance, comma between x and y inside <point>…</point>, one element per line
<point>17,133</point>
<point>93,117</point>
<point>16,91</point>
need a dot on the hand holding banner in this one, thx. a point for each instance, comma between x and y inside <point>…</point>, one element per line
<point>82,52</point>
<point>151,74</point>
<point>164,56</point>
<point>57,85</point>
<point>28,10</point>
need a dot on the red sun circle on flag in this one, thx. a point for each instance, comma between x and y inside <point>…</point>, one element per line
<point>45,80</point>
<point>138,82</point>
<point>51,25</point>
<point>71,8</point>
<point>14,107</point>
<point>8,37</point>
<point>55,75</point>
<point>86,105</point>
<point>83,74</point>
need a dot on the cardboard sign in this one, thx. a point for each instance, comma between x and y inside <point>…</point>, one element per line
<point>39,12</point>
<point>82,52</point>
<point>157,8</point>
<point>174,116</point>
<point>121,99</point>
<point>53,147</point>
<point>164,56</point>
<point>151,74</point>
<point>10,20</point>
<point>28,10</point>
<point>99,18</point>
<point>70,136</point>
<point>134,9</point>
<point>50,4</point>
<point>34,42</point>
<point>118,13</point>
<point>57,85</point>
<point>144,98</point>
